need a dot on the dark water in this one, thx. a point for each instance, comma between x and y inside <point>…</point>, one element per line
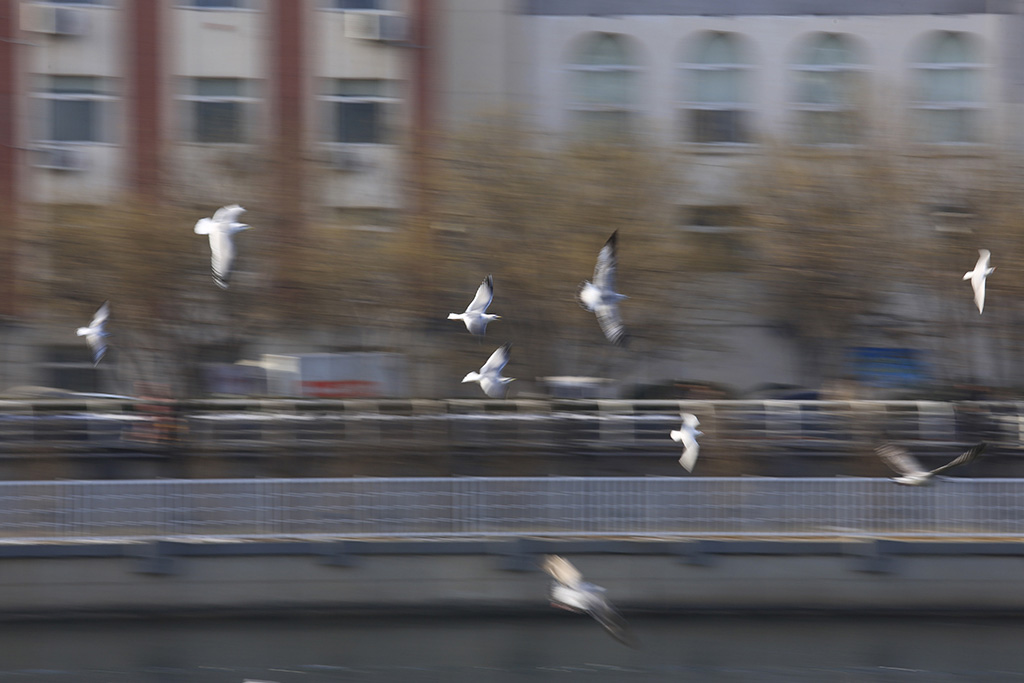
<point>554,647</point>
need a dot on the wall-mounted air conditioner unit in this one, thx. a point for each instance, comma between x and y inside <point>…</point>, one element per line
<point>61,159</point>
<point>58,21</point>
<point>347,160</point>
<point>390,27</point>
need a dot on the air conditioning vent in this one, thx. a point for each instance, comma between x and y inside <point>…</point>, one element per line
<point>58,21</point>
<point>61,159</point>
<point>349,160</point>
<point>389,27</point>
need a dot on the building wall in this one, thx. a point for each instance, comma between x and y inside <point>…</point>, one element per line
<point>208,43</point>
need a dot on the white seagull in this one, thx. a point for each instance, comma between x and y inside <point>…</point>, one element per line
<point>600,296</point>
<point>910,470</point>
<point>221,229</point>
<point>476,316</point>
<point>570,592</point>
<point>687,435</point>
<point>95,334</point>
<point>489,376</point>
<point>977,277</point>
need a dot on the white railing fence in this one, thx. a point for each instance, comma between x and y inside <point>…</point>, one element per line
<point>490,507</point>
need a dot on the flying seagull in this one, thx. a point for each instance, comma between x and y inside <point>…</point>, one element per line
<point>476,316</point>
<point>910,470</point>
<point>687,435</point>
<point>221,229</point>
<point>569,591</point>
<point>489,376</point>
<point>977,277</point>
<point>95,334</point>
<point>600,297</point>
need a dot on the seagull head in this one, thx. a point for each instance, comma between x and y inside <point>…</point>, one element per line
<point>472,377</point>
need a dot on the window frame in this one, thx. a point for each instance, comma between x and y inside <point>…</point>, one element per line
<point>687,70</point>
<point>189,99</point>
<point>243,6</point>
<point>385,115</point>
<point>801,108</point>
<point>46,97</point>
<point>976,68</point>
<point>574,107</point>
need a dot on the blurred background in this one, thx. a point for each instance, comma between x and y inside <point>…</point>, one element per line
<point>798,191</point>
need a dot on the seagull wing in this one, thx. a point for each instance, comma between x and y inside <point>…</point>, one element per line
<point>102,313</point>
<point>898,459</point>
<point>607,261</point>
<point>611,620</point>
<point>610,319</point>
<point>691,449</point>
<point>978,283</point>
<point>497,361</point>
<point>967,456</point>
<point>204,226</point>
<point>98,346</point>
<point>228,214</point>
<point>484,294</point>
<point>562,571</point>
<point>222,256</point>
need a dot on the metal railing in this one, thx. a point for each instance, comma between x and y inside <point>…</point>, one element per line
<point>555,426</point>
<point>494,507</point>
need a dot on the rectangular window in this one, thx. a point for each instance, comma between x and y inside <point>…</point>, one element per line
<point>74,108</point>
<point>218,109</point>
<point>359,110</point>
<point>717,125</point>
<point>215,4</point>
<point>356,4</point>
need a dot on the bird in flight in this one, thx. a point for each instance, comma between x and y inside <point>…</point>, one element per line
<point>909,469</point>
<point>978,276</point>
<point>489,376</point>
<point>95,334</point>
<point>221,229</point>
<point>476,316</point>
<point>599,297</point>
<point>570,592</point>
<point>687,435</point>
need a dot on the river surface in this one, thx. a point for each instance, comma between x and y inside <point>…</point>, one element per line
<point>550,647</point>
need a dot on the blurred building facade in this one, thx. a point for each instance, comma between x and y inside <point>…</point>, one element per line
<point>186,96</point>
<point>718,82</point>
<point>717,79</point>
<point>191,93</point>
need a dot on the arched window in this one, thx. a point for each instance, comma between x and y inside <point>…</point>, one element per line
<point>828,92</point>
<point>602,86</point>
<point>714,89</point>
<point>947,92</point>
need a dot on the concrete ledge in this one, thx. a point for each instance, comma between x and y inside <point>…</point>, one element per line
<point>176,577</point>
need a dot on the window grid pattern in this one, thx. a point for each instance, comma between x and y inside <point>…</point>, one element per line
<point>714,104</point>
<point>359,111</point>
<point>602,87</point>
<point>75,109</point>
<point>948,100</point>
<point>828,82</point>
<point>217,110</point>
